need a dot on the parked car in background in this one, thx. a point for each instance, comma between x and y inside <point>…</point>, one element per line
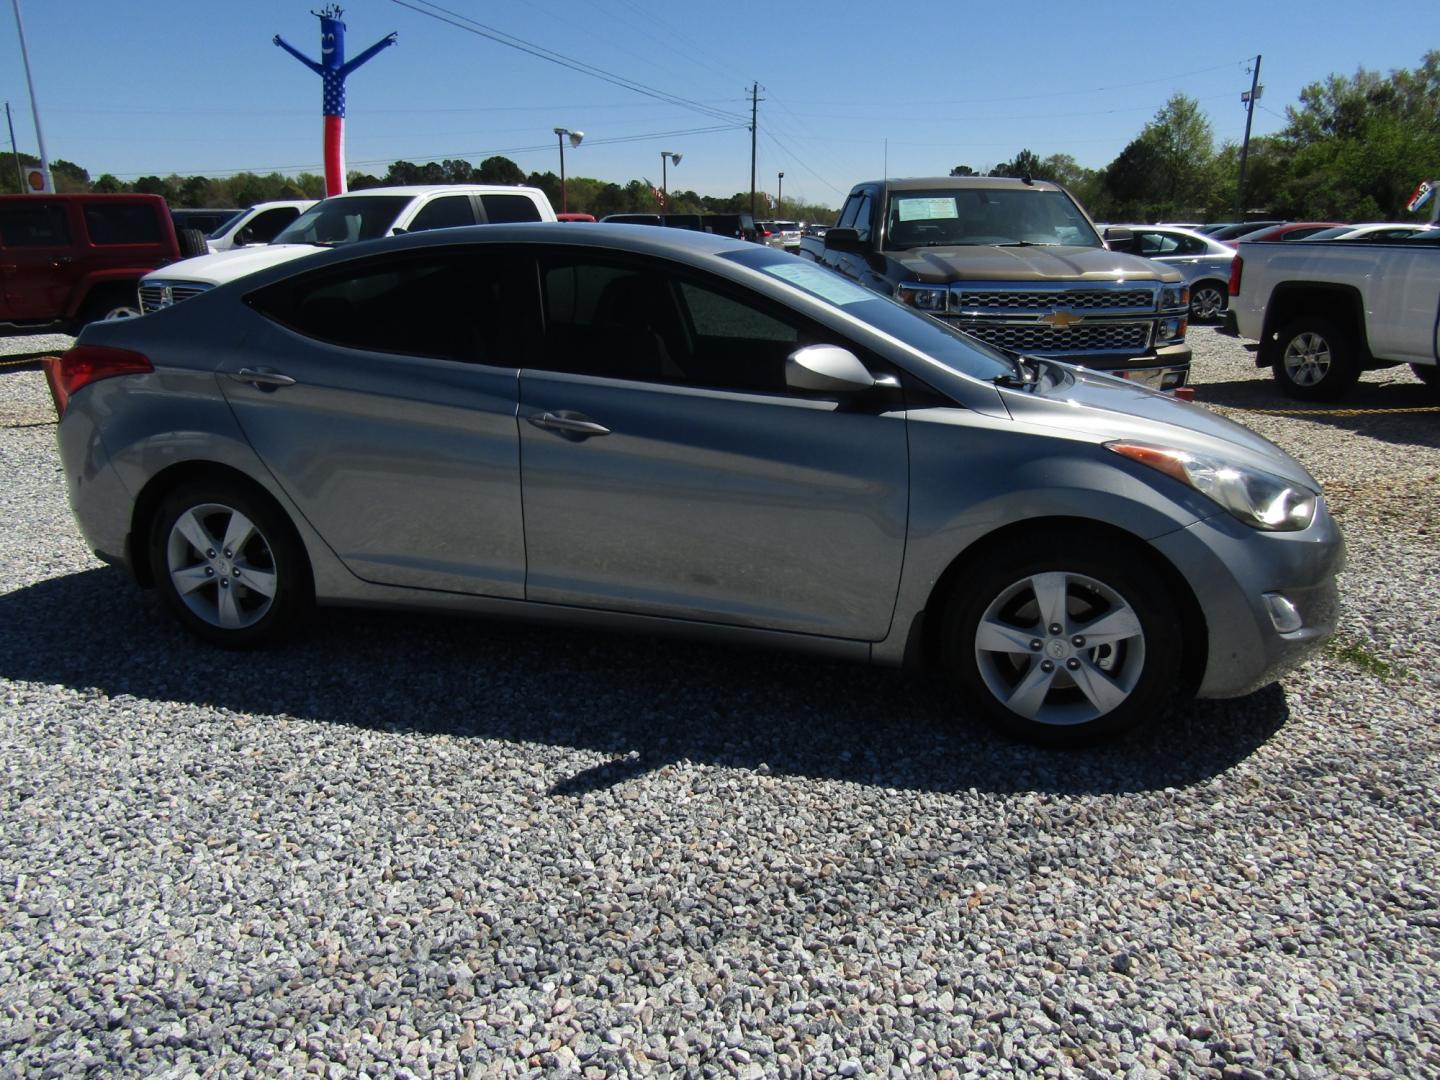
<point>1377,232</point>
<point>633,219</point>
<point>347,219</point>
<point>741,226</point>
<point>574,216</point>
<point>1214,227</point>
<point>1291,230</point>
<point>70,259</point>
<point>1205,262</point>
<point>666,431</point>
<point>258,225</point>
<point>1231,232</point>
<point>789,233</point>
<point>206,220</point>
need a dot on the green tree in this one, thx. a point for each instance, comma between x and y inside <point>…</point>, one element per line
<point>1026,163</point>
<point>499,170</point>
<point>963,170</point>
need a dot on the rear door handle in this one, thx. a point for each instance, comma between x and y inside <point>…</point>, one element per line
<point>571,425</point>
<point>263,378</point>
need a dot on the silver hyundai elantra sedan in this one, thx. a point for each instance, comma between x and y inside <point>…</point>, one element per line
<point>678,433</point>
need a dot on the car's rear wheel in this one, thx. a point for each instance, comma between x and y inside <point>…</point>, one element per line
<point>1059,644</point>
<point>1208,300</point>
<point>1314,360</point>
<point>228,564</point>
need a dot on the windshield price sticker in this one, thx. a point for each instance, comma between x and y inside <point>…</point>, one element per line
<point>821,282</point>
<point>926,209</point>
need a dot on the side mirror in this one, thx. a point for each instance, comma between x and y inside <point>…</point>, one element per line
<point>843,240</point>
<point>1120,239</point>
<point>826,368</point>
<point>244,237</point>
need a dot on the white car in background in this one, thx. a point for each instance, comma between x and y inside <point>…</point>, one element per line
<point>1375,232</point>
<point>258,225</point>
<point>348,219</point>
<point>1204,262</point>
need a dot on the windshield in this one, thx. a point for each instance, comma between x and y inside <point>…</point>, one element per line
<point>1006,217</point>
<point>955,350</point>
<point>344,219</point>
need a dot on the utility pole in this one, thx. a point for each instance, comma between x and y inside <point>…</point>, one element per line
<point>754,108</point>
<point>15,149</point>
<point>46,183</point>
<point>1249,100</point>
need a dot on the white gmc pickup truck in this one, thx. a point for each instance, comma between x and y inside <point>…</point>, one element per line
<point>1324,311</point>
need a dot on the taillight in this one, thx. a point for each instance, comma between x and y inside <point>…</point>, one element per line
<point>1237,267</point>
<point>85,364</point>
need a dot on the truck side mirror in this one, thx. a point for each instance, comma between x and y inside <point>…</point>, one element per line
<point>843,240</point>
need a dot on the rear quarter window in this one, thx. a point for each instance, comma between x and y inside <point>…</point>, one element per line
<point>502,208</point>
<point>38,225</point>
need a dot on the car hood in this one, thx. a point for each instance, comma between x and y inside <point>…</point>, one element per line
<point>1105,408</point>
<point>223,266</point>
<point>1040,263</point>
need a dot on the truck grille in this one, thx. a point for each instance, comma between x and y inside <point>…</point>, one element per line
<point>1077,300</point>
<point>153,298</point>
<point>1130,337</point>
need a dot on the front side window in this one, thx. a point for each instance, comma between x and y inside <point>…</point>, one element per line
<point>344,219</point>
<point>266,226</point>
<point>38,224</point>
<point>653,323</point>
<point>444,213</point>
<point>448,305</point>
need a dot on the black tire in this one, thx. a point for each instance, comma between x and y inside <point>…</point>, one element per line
<point>1208,300</point>
<point>228,605</point>
<point>1314,360</point>
<point>192,242</point>
<point>1429,374</point>
<point>112,302</point>
<point>1130,679</point>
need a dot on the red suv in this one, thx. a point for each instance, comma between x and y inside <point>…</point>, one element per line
<point>73,259</point>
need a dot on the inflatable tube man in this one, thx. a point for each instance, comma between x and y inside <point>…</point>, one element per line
<point>333,70</point>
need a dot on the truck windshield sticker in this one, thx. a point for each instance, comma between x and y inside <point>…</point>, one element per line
<point>821,282</point>
<point>925,209</point>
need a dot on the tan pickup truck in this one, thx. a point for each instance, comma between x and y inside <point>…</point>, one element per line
<point>1018,264</point>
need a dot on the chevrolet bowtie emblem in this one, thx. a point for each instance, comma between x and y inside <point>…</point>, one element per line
<point>1061,320</point>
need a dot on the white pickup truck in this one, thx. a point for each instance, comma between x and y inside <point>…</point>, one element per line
<point>1324,311</point>
<point>347,219</point>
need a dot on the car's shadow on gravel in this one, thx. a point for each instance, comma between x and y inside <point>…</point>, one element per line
<point>1393,411</point>
<point>643,702</point>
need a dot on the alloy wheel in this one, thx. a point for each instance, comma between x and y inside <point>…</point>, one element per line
<point>222,566</point>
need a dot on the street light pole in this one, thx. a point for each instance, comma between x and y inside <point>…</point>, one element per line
<point>778,189</point>
<point>575,136</point>
<point>667,157</point>
<point>47,183</point>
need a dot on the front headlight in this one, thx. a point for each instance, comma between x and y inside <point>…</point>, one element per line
<point>1174,296</point>
<point>931,298</point>
<point>1260,499</point>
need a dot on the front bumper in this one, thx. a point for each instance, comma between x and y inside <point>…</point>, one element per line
<point>1166,370</point>
<point>1232,569</point>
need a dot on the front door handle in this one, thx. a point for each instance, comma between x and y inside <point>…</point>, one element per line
<point>571,425</point>
<point>263,378</point>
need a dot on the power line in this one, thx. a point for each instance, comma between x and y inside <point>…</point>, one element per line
<point>469,25</point>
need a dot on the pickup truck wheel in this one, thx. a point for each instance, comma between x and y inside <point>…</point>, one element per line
<point>1208,300</point>
<point>1314,360</point>
<point>1059,645</point>
<point>114,304</point>
<point>1429,374</point>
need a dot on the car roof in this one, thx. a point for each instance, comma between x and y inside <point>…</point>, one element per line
<point>413,190</point>
<point>960,183</point>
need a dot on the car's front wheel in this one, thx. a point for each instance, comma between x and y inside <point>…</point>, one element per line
<point>1208,300</point>
<point>1058,643</point>
<point>228,564</point>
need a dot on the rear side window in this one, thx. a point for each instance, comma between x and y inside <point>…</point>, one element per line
<point>34,225</point>
<point>445,213</point>
<point>122,223</point>
<point>502,208</point>
<point>446,305</point>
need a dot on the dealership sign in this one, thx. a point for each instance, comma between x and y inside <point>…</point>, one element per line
<point>1422,195</point>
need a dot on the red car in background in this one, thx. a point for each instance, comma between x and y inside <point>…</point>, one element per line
<point>1290,230</point>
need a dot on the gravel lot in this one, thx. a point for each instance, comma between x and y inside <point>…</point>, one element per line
<point>427,847</point>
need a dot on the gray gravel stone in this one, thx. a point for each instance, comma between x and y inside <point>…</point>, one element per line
<point>436,848</point>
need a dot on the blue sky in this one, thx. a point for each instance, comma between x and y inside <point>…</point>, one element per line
<point>196,86</point>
